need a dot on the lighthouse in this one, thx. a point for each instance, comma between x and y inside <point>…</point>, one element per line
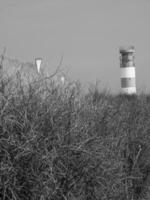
<point>127,69</point>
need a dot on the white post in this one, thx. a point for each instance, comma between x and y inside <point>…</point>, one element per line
<point>38,62</point>
<point>62,80</point>
<point>127,69</point>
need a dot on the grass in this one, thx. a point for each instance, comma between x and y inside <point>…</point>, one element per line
<point>58,143</point>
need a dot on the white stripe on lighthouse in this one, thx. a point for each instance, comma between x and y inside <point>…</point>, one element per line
<point>130,90</point>
<point>127,72</point>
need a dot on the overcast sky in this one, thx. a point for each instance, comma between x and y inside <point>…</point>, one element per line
<point>87,33</point>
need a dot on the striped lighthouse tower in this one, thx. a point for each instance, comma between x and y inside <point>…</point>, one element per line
<point>127,68</point>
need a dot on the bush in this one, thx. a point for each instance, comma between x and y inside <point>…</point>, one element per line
<point>58,143</point>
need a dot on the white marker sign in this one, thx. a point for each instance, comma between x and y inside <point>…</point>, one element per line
<point>38,62</point>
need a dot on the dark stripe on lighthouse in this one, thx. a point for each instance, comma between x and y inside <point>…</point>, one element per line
<point>127,82</point>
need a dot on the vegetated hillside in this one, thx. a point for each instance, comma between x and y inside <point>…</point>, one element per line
<point>26,70</point>
<point>58,143</point>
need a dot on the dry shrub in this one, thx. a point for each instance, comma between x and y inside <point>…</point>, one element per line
<point>58,143</point>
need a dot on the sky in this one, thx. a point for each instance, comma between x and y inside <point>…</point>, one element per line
<point>86,33</point>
